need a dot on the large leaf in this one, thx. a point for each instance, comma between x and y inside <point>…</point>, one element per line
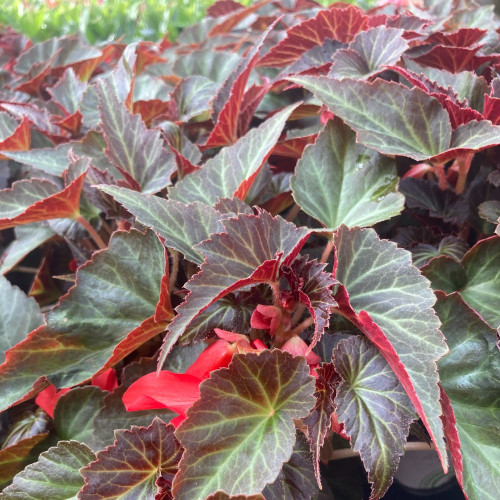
<point>368,53</point>
<point>295,480</point>
<point>182,226</point>
<point>392,304</point>
<point>249,252</point>
<point>114,294</point>
<point>477,278</point>
<point>386,116</point>
<point>470,375</point>
<point>38,200</point>
<point>340,182</point>
<point>233,170</point>
<point>130,468</point>
<point>134,149</point>
<point>75,411</point>
<point>19,315</point>
<point>243,423</point>
<point>54,476</point>
<point>374,408</point>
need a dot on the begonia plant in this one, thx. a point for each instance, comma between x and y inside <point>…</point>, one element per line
<point>226,256</point>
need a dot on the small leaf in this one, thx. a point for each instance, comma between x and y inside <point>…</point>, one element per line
<point>233,170</point>
<point>54,476</point>
<point>391,302</point>
<point>182,226</point>
<point>374,408</point>
<point>38,200</point>
<point>262,393</point>
<point>470,375</point>
<point>19,315</point>
<point>191,98</point>
<point>368,53</point>
<point>75,411</point>
<point>130,468</point>
<point>133,148</point>
<point>340,182</point>
<point>249,252</point>
<point>68,91</point>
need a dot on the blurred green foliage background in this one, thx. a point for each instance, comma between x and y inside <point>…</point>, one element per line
<point>101,20</point>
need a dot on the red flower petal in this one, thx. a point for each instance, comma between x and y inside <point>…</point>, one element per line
<point>216,355</point>
<point>175,391</point>
<point>106,380</point>
<point>266,318</point>
<point>297,347</point>
<point>48,398</point>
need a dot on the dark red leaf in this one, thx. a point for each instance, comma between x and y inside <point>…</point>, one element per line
<point>223,7</point>
<point>19,140</point>
<point>234,18</point>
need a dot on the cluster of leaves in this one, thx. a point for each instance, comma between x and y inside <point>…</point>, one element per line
<point>333,169</point>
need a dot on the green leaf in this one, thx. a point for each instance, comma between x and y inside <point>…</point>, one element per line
<point>235,167</point>
<point>68,91</point>
<point>375,409</point>
<point>445,274</point>
<point>133,148</point>
<point>241,430</point>
<point>296,478</point>
<point>192,97</point>
<point>386,116</point>
<point>340,182</point>
<point>54,476</point>
<point>75,411</point>
<point>470,375</point>
<point>182,226</point>
<point>482,289</point>
<point>368,53</point>
<point>392,304</point>
<point>19,315</point>
<point>250,251</point>
<point>28,237</point>
<point>130,468</point>
<point>114,294</point>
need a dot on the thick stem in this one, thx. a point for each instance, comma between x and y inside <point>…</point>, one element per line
<point>327,251</point>
<point>464,162</point>
<point>92,232</point>
<point>300,327</point>
<point>174,270</point>
<point>440,174</point>
<point>348,452</point>
<point>275,287</point>
<point>294,211</point>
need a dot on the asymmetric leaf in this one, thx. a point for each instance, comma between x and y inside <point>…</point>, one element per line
<point>250,251</point>
<point>233,170</point>
<point>182,226</point>
<point>392,304</point>
<point>374,408</point>
<point>470,375</point>
<point>130,468</point>
<point>241,430</point>
<point>338,181</point>
<point>113,295</point>
<point>54,476</point>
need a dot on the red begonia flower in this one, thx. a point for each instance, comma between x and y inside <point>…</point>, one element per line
<point>269,318</point>
<point>48,398</point>
<point>177,391</point>
<point>106,380</point>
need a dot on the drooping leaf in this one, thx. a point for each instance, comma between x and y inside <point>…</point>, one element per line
<point>319,421</point>
<point>39,200</point>
<point>340,182</point>
<point>130,468</point>
<point>134,149</point>
<point>19,315</point>
<point>54,476</point>
<point>391,302</point>
<point>450,246</point>
<point>75,411</point>
<point>368,53</point>
<point>340,24</point>
<point>115,294</point>
<point>374,408</point>
<point>295,479</point>
<point>386,116</point>
<point>13,458</point>
<point>182,226</point>
<point>250,251</point>
<point>470,375</point>
<point>232,172</point>
<point>263,393</point>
